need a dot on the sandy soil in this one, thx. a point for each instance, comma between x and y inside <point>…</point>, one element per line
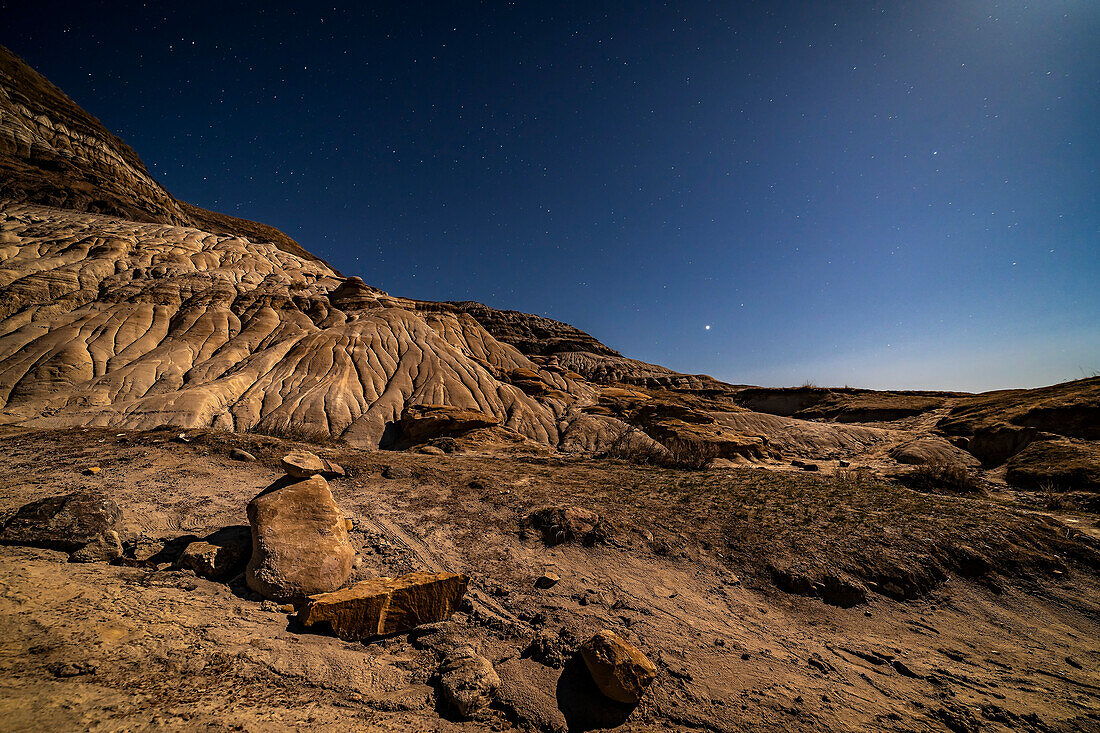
<point>687,576</point>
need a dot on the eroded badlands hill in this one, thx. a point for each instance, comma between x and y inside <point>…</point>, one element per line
<point>122,306</point>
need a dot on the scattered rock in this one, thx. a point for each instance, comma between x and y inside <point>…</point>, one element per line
<point>383,606</point>
<point>552,650</point>
<point>61,522</point>
<point>303,464</point>
<point>238,454</point>
<point>71,669</point>
<point>104,548</point>
<point>568,524</point>
<point>300,542</point>
<point>547,580</point>
<point>468,681</point>
<point>619,669</point>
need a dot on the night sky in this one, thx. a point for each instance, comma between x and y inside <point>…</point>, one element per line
<point>902,194</point>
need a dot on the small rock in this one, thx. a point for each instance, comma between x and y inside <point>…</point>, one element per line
<point>238,454</point>
<point>71,669</point>
<point>213,561</point>
<point>270,606</point>
<point>287,608</point>
<point>619,669</point>
<point>91,470</point>
<point>383,606</point>
<point>303,464</point>
<point>547,580</point>
<point>843,463</point>
<point>552,650</point>
<point>182,438</point>
<point>468,681</point>
<point>349,523</point>
<point>431,450</point>
<point>104,548</point>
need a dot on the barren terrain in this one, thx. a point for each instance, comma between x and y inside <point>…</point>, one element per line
<point>994,624</point>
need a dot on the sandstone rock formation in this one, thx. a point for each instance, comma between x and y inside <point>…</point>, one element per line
<point>383,606</point>
<point>66,523</point>
<point>299,542</point>
<point>620,670</point>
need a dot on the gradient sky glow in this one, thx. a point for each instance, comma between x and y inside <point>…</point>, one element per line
<point>903,194</point>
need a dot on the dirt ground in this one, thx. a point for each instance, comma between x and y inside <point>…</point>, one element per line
<point>962,613</point>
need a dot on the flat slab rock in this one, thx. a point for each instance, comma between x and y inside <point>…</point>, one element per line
<point>65,523</point>
<point>383,606</point>
<point>303,464</point>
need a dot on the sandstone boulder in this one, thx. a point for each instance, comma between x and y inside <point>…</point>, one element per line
<point>238,454</point>
<point>383,606</point>
<point>65,523</point>
<point>468,681</point>
<point>619,669</point>
<point>303,464</point>
<point>300,542</point>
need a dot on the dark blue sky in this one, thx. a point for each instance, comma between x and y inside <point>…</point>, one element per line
<point>901,194</point>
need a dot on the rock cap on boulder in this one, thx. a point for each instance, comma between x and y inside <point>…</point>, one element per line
<point>303,464</point>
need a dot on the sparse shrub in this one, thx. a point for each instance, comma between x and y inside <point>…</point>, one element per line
<point>299,433</point>
<point>941,477</point>
<point>850,478</point>
<point>682,453</point>
<point>633,445</point>
<point>1052,497</point>
<point>691,455</point>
